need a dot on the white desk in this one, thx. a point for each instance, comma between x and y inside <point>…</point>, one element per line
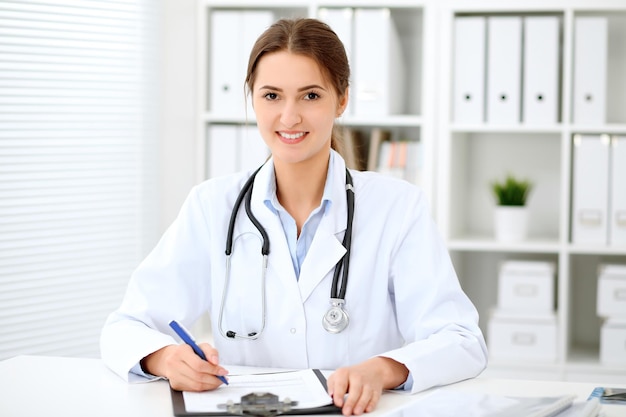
<point>68,387</point>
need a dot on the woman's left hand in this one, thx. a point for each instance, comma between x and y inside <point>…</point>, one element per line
<point>364,384</point>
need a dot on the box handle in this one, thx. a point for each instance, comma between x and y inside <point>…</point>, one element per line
<point>524,339</point>
<point>619,294</point>
<point>590,217</point>
<point>525,290</point>
<point>620,218</point>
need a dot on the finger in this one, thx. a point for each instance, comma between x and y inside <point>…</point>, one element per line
<point>367,394</point>
<point>374,401</point>
<point>201,373</point>
<point>355,391</point>
<point>338,387</point>
<point>197,380</point>
<point>210,352</point>
<point>212,356</point>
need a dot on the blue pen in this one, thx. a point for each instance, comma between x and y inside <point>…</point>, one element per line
<point>186,336</point>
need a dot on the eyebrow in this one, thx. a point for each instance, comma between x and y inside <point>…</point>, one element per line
<point>308,87</point>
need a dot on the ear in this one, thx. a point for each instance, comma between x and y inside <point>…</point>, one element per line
<point>343,103</point>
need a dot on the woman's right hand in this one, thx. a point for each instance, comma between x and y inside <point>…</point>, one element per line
<point>185,370</point>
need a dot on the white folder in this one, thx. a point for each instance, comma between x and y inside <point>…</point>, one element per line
<point>254,23</point>
<point>617,219</point>
<point>378,64</point>
<point>222,149</point>
<point>590,189</point>
<point>233,34</point>
<point>253,151</point>
<point>504,59</point>
<point>590,70</point>
<point>541,70</point>
<point>226,84</point>
<point>341,22</point>
<point>469,69</point>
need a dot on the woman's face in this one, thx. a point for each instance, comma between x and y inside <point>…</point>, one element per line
<point>295,107</point>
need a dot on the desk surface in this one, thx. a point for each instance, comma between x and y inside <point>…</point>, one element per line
<point>68,387</point>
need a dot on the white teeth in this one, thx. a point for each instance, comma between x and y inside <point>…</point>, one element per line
<point>291,136</point>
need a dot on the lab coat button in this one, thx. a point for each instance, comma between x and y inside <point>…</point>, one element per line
<point>292,330</point>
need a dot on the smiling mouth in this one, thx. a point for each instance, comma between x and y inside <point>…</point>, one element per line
<point>292,136</point>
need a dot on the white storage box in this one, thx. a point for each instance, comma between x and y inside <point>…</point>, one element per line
<point>611,300</point>
<point>613,343</point>
<point>515,337</point>
<point>526,286</point>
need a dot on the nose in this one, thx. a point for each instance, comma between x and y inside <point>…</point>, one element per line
<point>290,115</point>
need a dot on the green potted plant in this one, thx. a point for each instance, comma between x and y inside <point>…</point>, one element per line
<point>511,214</point>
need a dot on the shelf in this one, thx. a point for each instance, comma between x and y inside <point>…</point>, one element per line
<point>487,128</point>
<point>487,244</point>
<point>473,153</point>
<point>254,4</point>
<point>586,359</point>
<point>533,245</point>
<point>371,3</point>
<point>211,118</point>
<point>597,250</point>
<point>460,160</point>
<point>387,121</point>
<point>612,129</point>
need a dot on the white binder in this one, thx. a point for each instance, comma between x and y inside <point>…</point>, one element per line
<point>233,34</point>
<point>253,151</point>
<point>378,64</point>
<point>222,150</point>
<point>341,21</point>
<point>617,219</point>
<point>226,84</point>
<point>504,59</point>
<point>590,189</point>
<point>590,70</point>
<point>254,23</point>
<point>541,70</point>
<point>469,70</point>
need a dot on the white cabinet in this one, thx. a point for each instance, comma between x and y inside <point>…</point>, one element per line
<point>540,148</point>
<point>461,150</point>
<point>380,98</point>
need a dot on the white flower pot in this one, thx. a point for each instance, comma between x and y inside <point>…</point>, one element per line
<point>511,223</point>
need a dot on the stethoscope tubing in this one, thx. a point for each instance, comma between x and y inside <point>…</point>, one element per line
<point>344,263</point>
<point>338,292</point>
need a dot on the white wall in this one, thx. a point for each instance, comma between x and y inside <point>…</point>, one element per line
<point>177,160</point>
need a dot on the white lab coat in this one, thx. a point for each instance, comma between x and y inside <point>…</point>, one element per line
<point>403,296</point>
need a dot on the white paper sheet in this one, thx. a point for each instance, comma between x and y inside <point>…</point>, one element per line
<point>302,386</point>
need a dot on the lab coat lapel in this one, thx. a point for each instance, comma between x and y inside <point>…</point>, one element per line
<point>326,248</point>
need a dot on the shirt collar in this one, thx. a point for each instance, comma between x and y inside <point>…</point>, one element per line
<point>271,200</point>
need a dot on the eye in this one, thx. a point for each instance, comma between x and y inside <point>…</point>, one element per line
<point>270,96</point>
<point>311,96</point>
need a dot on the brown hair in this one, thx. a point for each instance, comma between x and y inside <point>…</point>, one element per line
<point>311,38</point>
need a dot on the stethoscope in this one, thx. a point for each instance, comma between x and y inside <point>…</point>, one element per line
<point>336,319</point>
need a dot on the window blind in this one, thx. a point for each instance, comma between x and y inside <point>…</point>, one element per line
<point>78,84</point>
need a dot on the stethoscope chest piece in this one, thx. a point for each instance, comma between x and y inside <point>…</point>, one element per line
<point>336,318</point>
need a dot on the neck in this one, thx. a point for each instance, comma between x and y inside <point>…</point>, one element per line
<point>300,187</point>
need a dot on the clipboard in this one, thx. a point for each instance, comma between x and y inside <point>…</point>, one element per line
<point>180,409</point>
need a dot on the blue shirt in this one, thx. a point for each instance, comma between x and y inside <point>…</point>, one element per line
<point>299,246</point>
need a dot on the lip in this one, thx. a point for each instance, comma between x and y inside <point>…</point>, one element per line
<point>291,137</point>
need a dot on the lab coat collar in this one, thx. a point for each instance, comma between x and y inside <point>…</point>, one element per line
<point>326,248</point>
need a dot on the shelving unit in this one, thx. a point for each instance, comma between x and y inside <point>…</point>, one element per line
<point>471,156</point>
<point>459,160</point>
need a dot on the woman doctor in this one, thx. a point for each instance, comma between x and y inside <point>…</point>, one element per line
<point>399,319</point>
